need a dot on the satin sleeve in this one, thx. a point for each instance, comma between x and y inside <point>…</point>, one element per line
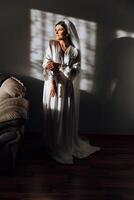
<point>48,74</point>
<point>71,69</point>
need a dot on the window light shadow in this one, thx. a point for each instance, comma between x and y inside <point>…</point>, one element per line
<point>42,30</point>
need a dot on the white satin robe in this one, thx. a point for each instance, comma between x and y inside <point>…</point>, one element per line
<point>61,112</point>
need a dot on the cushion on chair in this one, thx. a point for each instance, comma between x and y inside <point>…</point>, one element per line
<point>12,104</point>
<point>13,108</point>
<point>12,87</point>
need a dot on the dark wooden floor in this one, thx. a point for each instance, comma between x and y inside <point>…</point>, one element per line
<point>105,175</point>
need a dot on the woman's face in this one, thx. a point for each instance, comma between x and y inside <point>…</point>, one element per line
<point>60,32</point>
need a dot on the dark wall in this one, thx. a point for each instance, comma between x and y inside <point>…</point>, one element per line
<point>15,50</point>
<point>14,36</point>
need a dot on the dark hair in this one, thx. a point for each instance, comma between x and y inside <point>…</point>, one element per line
<point>62,23</point>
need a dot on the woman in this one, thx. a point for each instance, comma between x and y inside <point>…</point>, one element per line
<point>61,69</point>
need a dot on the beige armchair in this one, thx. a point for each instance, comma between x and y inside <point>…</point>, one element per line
<point>13,115</point>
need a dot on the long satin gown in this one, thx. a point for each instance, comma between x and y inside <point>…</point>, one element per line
<point>61,138</point>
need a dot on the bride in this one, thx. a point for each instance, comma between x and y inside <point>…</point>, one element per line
<point>61,70</point>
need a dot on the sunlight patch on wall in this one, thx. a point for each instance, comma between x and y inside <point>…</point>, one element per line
<point>121,33</point>
<point>42,30</point>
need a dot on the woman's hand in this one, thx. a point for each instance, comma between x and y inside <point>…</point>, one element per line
<point>52,65</point>
<point>53,91</point>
